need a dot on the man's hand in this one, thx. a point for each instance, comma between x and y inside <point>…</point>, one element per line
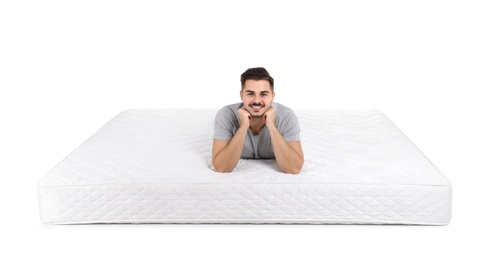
<point>245,118</point>
<point>270,118</point>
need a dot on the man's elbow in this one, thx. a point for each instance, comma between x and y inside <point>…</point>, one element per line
<point>223,170</point>
<point>293,170</point>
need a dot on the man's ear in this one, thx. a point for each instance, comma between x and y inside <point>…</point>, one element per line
<point>241,95</point>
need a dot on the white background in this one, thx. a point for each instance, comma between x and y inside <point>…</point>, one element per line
<point>67,67</point>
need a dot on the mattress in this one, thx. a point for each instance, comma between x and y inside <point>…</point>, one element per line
<point>154,166</point>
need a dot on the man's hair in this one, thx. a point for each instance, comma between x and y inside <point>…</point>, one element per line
<point>257,74</point>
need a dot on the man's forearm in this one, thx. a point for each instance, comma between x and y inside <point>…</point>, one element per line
<point>288,159</point>
<point>226,160</point>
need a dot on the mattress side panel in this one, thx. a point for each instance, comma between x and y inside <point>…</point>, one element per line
<point>247,203</point>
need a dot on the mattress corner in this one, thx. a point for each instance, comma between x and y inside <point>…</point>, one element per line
<point>126,111</point>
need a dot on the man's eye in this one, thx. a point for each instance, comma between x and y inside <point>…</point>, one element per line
<point>250,94</point>
<point>264,95</point>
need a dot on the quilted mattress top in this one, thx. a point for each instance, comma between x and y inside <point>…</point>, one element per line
<point>161,146</point>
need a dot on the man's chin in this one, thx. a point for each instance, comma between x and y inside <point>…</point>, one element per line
<point>257,116</point>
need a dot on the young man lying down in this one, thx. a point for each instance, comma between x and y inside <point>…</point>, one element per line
<point>257,128</point>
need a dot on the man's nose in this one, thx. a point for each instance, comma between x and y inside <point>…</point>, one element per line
<point>256,99</point>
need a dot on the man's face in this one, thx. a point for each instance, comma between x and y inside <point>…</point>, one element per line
<point>257,97</point>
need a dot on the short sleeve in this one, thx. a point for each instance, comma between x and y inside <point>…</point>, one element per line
<point>223,129</point>
<point>289,127</point>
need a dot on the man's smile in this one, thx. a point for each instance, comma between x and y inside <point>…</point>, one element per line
<point>256,106</point>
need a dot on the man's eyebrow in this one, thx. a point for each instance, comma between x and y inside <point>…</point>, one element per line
<point>251,91</point>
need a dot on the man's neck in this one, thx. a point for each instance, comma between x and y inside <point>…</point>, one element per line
<point>257,125</point>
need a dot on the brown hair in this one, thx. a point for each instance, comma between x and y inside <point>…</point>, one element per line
<point>258,73</point>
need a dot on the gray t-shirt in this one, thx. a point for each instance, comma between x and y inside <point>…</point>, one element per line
<point>258,146</point>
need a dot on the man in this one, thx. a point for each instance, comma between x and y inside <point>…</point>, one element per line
<point>257,128</point>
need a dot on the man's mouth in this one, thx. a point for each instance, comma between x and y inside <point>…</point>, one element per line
<point>256,106</point>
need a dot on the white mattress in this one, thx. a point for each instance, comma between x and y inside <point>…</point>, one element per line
<point>153,166</point>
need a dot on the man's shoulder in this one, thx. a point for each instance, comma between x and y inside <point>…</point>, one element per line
<point>282,110</point>
<point>232,107</point>
<point>229,110</point>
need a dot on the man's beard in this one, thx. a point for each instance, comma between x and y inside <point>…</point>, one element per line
<point>262,107</point>
<point>258,116</point>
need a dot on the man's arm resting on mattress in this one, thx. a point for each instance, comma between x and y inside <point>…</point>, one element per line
<point>289,155</point>
<point>226,154</point>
